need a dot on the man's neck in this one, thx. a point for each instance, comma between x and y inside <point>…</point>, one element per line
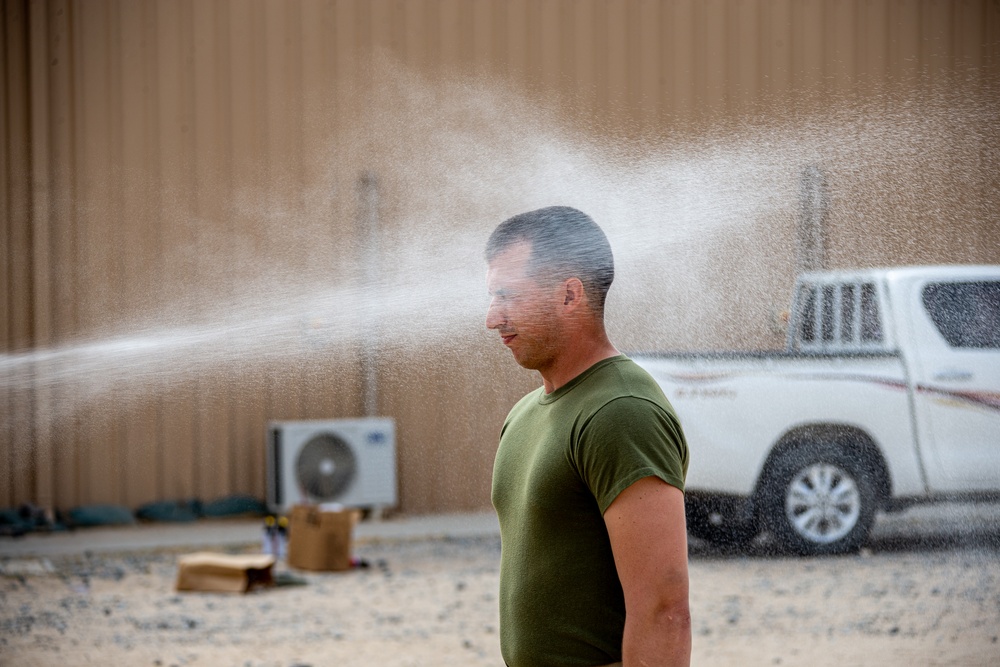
<point>579,355</point>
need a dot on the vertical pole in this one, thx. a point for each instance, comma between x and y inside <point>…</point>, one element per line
<point>368,236</point>
<point>811,236</point>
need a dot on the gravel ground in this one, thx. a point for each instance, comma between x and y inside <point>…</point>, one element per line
<point>918,596</point>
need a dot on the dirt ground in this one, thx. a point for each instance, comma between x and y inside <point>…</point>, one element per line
<point>923,594</point>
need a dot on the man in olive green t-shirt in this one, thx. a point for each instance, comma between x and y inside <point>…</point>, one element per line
<point>589,475</point>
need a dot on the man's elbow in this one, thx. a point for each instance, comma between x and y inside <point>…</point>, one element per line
<point>670,614</point>
<point>660,613</point>
<point>675,616</point>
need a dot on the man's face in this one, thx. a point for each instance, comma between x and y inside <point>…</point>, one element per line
<point>523,309</point>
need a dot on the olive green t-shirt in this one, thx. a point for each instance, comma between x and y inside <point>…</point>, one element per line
<point>563,458</point>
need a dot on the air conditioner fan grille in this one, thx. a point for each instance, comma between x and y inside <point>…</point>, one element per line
<point>325,467</point>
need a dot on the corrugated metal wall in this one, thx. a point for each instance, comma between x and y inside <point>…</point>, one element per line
<point>176,175</point>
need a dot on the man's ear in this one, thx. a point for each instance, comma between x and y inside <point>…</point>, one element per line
<point>574,293</point>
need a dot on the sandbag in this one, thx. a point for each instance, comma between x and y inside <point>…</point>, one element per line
<point>100,515</point>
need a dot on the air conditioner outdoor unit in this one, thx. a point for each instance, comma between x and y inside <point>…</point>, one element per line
<point>351,462</point>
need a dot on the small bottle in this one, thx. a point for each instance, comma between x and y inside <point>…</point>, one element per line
<point>281,537</point>
<point>267,545</point>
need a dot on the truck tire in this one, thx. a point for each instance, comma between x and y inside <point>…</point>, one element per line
<point>718,526</point>
<point>819,500</point>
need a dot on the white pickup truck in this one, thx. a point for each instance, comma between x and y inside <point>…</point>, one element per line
<point>888,394</point>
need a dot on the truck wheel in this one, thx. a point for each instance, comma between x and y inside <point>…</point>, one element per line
<point>819,500</point>
<point>719,527</point>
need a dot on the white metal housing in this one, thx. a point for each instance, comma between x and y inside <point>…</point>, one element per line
<point>350,462</point>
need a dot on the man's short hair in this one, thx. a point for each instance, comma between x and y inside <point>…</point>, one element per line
<point>565,243</point>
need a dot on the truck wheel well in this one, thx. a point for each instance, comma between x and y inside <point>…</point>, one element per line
<point>849,439</point>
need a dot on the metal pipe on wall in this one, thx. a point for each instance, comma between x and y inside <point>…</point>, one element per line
<point>811,232</point>
<point>369,254</point>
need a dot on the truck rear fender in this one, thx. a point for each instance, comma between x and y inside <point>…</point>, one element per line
<point>850,439</point>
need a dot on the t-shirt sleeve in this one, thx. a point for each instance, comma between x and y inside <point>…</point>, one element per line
<point>626,440</point>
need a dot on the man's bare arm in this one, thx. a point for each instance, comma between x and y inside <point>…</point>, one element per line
<point>649,539</point>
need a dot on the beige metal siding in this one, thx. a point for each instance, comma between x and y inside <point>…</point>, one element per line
<point>18,482</point>
<point>164,160</point>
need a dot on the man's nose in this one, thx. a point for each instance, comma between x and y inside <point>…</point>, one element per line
<point>494,318</point>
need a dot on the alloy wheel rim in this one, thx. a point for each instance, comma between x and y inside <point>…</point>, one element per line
<point>823,503</point>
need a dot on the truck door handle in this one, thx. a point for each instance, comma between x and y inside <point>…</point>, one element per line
<point>953,375</point>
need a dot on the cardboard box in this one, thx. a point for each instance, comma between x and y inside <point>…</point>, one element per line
<point>205,571</point>
<point>321,539</point>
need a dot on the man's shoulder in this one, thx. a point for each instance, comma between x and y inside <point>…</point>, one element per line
<point>623,378</point>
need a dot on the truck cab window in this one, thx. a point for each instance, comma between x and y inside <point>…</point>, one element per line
<point>871,324</point>
<point>828,310</point>
<point>966,313</point>
<point>807,328</point>
<point>847,305</point>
